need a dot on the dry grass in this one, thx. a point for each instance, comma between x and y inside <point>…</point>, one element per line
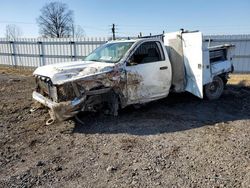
<point>16,71</point>
<point>240,79</point>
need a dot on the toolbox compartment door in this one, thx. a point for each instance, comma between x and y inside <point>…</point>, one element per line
<point>192,52</point>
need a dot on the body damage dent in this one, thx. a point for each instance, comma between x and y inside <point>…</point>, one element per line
<point>83,93</point>
<point>71,71</point>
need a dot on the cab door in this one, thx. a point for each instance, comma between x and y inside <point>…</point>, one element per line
<point>148,73</point>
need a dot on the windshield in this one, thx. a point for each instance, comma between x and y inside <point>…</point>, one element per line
<point>110,52</point>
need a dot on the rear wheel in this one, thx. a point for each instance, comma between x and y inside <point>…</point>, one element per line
<point>214,89</point>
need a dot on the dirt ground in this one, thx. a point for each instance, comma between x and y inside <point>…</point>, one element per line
<point>180,141</point>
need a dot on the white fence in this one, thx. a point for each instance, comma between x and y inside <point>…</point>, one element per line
<point>37,52</point>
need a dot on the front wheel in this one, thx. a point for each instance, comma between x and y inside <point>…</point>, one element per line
<point>214,89</point>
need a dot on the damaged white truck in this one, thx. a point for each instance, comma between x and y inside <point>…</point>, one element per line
<point>125,72</point>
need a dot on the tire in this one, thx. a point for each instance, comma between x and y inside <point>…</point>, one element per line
<point>214,89</point>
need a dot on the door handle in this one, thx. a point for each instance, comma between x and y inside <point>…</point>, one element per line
<point>163,68</point>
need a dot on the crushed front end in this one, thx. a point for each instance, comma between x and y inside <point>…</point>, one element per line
<point>63,101</point>
<point>94,93</point>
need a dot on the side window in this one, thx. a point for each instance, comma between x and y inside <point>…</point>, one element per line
<point>148,52</point>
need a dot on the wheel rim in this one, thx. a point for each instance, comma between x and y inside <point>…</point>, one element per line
<point>215,88</point>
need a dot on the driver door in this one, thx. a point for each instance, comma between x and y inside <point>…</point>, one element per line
<point>148,73</point>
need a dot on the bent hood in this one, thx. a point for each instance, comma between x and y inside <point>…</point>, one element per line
<point>68,71</point>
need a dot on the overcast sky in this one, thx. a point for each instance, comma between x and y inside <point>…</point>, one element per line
<point>134,16</point>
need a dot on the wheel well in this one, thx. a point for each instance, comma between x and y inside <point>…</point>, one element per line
<point>224,78</point>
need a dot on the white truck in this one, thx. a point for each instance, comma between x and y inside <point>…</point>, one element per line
<point>137,71</point>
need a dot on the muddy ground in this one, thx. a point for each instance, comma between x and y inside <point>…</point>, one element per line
<point>180,141</point>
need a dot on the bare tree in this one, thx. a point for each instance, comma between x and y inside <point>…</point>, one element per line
<point>78,31</point>
<point>12,32</point>
<point>55,20</point>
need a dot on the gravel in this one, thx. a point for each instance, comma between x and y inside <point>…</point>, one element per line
<point>180,141</point>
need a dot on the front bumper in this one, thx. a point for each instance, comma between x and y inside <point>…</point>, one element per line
<point>45,101</point>
<point>62,110</point>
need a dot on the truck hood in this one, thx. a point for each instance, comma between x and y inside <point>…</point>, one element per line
<point>68,71</point>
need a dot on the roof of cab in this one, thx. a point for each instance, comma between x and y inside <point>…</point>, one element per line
<point>133,40</point>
